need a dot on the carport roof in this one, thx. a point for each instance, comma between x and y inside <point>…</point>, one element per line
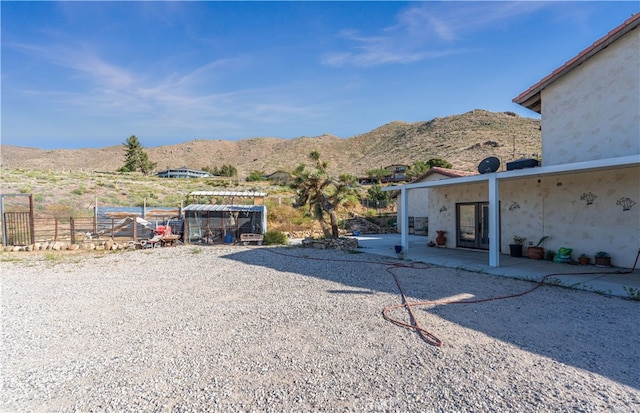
<point>248,194</point>
<point>224,208</point>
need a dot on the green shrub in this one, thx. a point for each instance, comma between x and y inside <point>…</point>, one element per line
<point>81,190</point>
<point>256,176</point>
<point>275,238</point>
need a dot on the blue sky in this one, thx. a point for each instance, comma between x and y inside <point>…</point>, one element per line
<point>90,74</point>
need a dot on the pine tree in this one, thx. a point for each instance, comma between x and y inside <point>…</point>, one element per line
<point>136,158</point>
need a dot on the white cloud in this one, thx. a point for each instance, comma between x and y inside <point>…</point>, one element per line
<point>425,31</point>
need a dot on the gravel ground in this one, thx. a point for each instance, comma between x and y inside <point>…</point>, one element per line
<point>235,329</point>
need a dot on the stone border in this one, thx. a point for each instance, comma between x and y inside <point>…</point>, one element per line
<point>331,243</point>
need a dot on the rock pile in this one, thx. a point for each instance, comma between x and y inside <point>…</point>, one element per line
<point>108,245</point>
<point>331,243</point>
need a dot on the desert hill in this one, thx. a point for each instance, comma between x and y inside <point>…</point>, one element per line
<point>464,140</point>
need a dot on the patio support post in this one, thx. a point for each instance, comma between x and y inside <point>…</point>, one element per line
<point>404,219</point>
<point>494,222</point>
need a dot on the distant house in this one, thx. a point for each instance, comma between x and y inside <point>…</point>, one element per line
<point>395,173</point>
<point>183,172</point>
<point>585,195</point>
<point>280,177</point>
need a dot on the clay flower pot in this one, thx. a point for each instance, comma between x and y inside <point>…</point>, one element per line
<point>603,261</point>
<point>441,240</point>
<point>535,253</point>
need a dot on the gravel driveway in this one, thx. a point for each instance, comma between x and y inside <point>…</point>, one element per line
<point>235,329</point>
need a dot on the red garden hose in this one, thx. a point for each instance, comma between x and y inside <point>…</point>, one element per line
<point>414,325</point>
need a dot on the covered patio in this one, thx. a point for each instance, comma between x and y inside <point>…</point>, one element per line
<point>609,281</point>
<point>493,182</point>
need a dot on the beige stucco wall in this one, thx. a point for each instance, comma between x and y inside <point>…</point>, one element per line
<point>418,199</point>
<point>593,112</point>
<point>442,207</point>
<point>418,202</point>
<point>552,206</point>
<point>600,226</point>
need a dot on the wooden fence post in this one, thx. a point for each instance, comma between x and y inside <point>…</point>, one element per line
<point>95,218</point>
<point>72,227</point>
<point>135,229</point>
<point>185,229</point>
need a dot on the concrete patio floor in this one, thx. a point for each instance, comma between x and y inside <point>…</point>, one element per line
<point>621,282</point>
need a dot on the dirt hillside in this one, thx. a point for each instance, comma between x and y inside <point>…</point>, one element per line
<point>464,140</point>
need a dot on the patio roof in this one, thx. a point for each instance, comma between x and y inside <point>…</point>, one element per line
<point>577,167</point>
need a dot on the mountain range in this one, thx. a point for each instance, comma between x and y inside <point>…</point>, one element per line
<point>464,140</point>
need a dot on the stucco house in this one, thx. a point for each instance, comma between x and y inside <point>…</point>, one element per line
<point>418,199</point>
<point>586,193</point>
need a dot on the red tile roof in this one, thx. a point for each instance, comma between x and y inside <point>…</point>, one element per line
<point>451,173</point>
<point>530,98</point>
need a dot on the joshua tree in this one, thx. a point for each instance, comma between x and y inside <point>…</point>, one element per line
<point>321,192</point>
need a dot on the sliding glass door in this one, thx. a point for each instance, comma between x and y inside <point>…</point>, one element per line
<point>472,225</point>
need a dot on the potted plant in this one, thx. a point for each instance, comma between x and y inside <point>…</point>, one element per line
<point>515,248</point>
<point>583,259</point>
<point>537,252</point>
<point>549,255</point>
<point>602,259</point>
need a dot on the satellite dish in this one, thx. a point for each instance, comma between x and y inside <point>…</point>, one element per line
<point>489,165</point>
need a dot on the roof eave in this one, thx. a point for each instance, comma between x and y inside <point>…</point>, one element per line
<point>531,98</point>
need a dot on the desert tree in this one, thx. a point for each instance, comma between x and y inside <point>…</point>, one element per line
<point>376,194</point>
<point>228,170</point>
<point>136,159</point>
<point>378,174</point>
<point>224,170</point>
<point>321,192</point>
<point>256,176</point>
<point>420,167</point>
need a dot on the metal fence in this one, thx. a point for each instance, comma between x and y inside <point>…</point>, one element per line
<point>20,226</point>
<point>77,230</point>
